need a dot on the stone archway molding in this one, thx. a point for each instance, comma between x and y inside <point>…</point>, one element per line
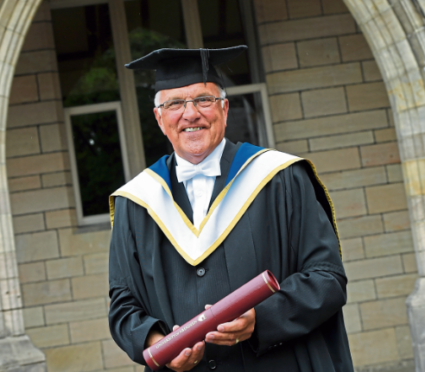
<point>17,353</point>
<point>395,32</point>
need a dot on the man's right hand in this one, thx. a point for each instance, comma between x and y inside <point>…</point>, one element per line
<point>187,359</point>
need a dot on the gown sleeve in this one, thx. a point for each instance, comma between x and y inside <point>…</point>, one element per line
<point>316,290</point>
<point>129,322</point>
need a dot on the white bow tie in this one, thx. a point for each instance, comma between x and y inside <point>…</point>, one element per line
<point>187,171</point>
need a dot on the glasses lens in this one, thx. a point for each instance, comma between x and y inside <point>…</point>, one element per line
<point>174,105</point>
<point>205,101</point>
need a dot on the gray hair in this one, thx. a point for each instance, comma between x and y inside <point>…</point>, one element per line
<point>221,92</point>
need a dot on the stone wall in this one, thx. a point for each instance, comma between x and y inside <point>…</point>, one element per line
<point>62,269</point>
<point>329,104</point>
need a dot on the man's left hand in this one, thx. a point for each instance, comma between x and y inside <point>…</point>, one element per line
<point>233,332</point>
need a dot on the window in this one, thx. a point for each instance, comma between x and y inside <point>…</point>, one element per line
<point>112,132</point>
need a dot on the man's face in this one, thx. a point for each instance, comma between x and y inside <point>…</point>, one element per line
<point>210,122</point>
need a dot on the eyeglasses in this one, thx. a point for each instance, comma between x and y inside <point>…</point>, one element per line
<point>199,102</point>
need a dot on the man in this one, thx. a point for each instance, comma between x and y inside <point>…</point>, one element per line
<point>205,220</point>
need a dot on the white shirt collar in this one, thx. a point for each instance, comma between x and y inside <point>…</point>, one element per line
<point>216,154</point>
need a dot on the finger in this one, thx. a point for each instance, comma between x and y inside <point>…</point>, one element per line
<point>207,307</point>
<point>180,360</point>
<point>227,339</point>
<point>197,354</point>
<point>175,327</point>
<point>238,325</point>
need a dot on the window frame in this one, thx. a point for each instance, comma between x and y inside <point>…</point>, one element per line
<point>93,109</point>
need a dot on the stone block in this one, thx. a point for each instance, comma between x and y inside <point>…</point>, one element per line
<point>309,28</point>
<point>42,200</point>
<point>77,244</point>
<point>386,198</point>
<point>409,263</point>
<point>335,160</point>
<point>36,62</point>
<point>293,147</point>
<point>352,320</point>
<point>343,140</point>
<point>334,6</point>
<point>315,77</point>
<point>114,356</point>
<point>36,246</point>
<point>56,335</point>
<point>323,102</point>
<point>28,223</point>
<point>373,268</point>
<point>352,249</point>
<point>24,183</point>
<point>39,36</point>
<point>338,124</point>
<point>349,203</point>
<point>90,286</point>
<point>96,263</point>
<point>400,285</point>
<point>363,290</point>
<point>373,347</point>
<point>75,311</point>
<point>43,12</point>
<point>53,137</point>
<point>24,89</point>
<point>46,292</point>
<point>64,268</point>
<point>371,71</point>
<point>279,57</point>
<point>367,96</point>
<point>354,48</point>
<point>388,244</point>
<point>62,218</point>
<point>385,135</point>
<point>33,317</point>
<point>90,330</point>
<point>49,86</point>
<point>390,118</point>
<point>37,164</point>
<point>32,272</point>
<point>385,153</point>
<point>396,221</point>
<point>395,173</point>
<point>21,142</point>
<point>286,107</point>
<point>383,313</point>
<point>404,342</point>
<point>360,226</point>
<point>74,358</point>
<point>305,8</point>
<point>56,179</point>
<point>269,11</point>
<point>354,178</point>
<point>318,52</point>
<point>35,113</point>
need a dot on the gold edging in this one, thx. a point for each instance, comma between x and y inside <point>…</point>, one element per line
<point>268,285</point>
<point>329,201</point>
<point>150,354</point>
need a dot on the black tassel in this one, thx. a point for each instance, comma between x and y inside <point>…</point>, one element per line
<point>205,54</point>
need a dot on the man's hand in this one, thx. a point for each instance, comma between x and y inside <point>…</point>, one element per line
<point>187,359</point>
<point>233,332</point>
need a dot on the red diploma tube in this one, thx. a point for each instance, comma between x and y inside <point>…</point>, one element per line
<point>225,310</point>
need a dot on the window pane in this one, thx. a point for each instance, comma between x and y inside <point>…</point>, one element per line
<point>99,161</point>
<point>222,27</point>
<point>86,56</point>
<point>245,121</point>
<point>152,25</point>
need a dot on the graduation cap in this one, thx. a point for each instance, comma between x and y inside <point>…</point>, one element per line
<point>177,68</point>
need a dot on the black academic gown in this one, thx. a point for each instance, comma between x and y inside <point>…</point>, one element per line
<point>287,229</point>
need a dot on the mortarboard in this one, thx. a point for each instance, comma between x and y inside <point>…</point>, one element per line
<point>177,68</point>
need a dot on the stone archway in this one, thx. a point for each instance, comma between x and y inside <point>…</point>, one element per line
<point>395,33</point>
<point>16,349</point>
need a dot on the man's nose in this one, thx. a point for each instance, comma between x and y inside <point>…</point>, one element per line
<point>190,111</point>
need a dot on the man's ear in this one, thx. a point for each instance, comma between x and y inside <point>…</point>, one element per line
<point>225,109</point>
<point>158,117</point>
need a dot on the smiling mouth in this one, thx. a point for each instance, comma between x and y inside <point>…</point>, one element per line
<point>192,129</point>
